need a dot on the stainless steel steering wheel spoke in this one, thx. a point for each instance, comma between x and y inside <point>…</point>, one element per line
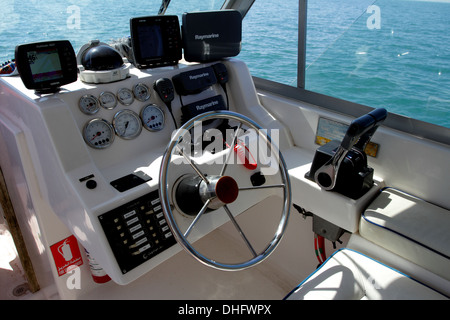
<point>236,225</point>
<point>200,213</point>
<point>193,165</point>
<point>230,151</point>
<point>281,185</point>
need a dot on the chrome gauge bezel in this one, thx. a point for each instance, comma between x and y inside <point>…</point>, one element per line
<point>116,119</point>
<point>108,126</point>
<point>83,107</point>
<point>145,124</point>
<point>108,105</point>
<point>141,92</point>
<point>127,102</point>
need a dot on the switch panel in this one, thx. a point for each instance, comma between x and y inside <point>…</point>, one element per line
<point>137,231</point>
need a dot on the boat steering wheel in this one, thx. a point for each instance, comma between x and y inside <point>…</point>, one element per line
<point>201,192</point>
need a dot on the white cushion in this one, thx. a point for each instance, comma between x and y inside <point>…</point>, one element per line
<point>350,275</point>
<point>410,227</point>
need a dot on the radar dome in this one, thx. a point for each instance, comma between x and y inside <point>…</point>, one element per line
<point>101,58</point>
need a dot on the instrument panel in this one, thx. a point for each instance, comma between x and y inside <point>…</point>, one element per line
<point>125,123</point>
<point>112,138</point>
<point>121,109</point>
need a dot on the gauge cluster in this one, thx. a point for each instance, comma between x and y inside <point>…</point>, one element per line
<point>124,122</point>
<point>122,109</point>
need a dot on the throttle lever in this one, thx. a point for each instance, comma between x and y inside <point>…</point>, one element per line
<point>358,134</point>
<point>378,115</point>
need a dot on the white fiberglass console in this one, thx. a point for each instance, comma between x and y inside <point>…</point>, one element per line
<point>96,153</point>
<point>90,156</point>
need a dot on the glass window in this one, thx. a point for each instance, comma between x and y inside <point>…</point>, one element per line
<point>269,40</point>
<point>387,53</point>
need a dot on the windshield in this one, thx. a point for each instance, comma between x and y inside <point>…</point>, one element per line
<point>379,53</point>
<point>24,21</point>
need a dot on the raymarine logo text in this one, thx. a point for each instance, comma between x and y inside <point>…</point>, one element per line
<point>207,105</point>
<point>207,36</point>
<point>200,75</point>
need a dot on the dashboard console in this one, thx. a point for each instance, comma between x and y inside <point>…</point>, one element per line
<point>108,140</point>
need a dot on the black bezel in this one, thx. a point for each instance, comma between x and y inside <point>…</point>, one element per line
<point>171,41</point>
<point>67,59</point>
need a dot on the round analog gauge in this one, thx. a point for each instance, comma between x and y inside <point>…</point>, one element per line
<point>141,92</point>
<point>98,133</point>
<point>88,104</point>
<point>127,124</point>
<point>152,117</point>
<point>125,96</point>
<point>108,100</point>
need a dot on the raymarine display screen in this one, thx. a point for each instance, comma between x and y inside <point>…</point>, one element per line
<point>151,42</point>
<point>156,41</point>
<point>45,65</point>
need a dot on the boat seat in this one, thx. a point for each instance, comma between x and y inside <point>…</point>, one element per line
<point>405,225</point>
<point>351,275</point>
<point>411,228</point>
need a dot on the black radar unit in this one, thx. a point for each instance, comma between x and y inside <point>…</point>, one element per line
<point>46,66</point>
<point>211,35</point>
<point>101,57</point>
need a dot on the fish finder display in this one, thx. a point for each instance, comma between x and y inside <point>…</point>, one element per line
<point>45,65</point>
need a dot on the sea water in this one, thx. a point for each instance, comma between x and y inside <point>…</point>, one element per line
<point>403,65</point>
<point>395,55</point>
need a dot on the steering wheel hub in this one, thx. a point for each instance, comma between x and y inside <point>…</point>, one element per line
<point>220,190</point>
